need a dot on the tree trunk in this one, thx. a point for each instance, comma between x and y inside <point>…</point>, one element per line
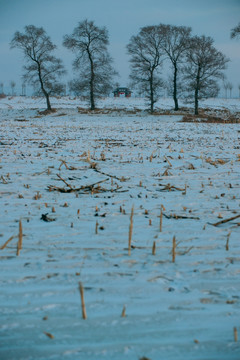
<point>45,93</point>
<point>92,100</point>
<point>196,101</point>
<point>175,89</point>
<point>197,91</point>
<point>151,93</point>
<point>48,101</point>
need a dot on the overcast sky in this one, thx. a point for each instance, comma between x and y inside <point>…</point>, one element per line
<point>122,18</point>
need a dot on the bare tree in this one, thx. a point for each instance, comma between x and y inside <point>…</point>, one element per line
<point>1,86</point>
<point>230,87</point>
<point>239,91</point>
<point>175,44</point>
<point>89,42</point>
<point>205,65</point>
<point>23,89</point>
<point>235,32</point>
<point>225,85</point>
<point>12,85</point>
<point>146,51</point>
<point>43,69</point>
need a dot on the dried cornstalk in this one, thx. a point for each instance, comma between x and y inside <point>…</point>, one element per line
<point>227,242</point>
<point>8,241</point>
<point>96,228</point>
<point>174,249</point>
<point>161,215</point>
<point>84,313</point>
<point>235,334</point>
<point>51,336</point>
<point>168,161</point>
<point>130,231</point>
<point>123,311</point>
<point>154,248</point>
<point>19,244</point>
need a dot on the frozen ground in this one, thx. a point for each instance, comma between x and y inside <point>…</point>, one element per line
<point>183,310</point>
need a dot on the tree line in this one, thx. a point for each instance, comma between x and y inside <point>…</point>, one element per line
<point>196,65</point>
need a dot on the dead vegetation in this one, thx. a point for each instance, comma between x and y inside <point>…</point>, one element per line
<point>214,116</point>
<point>206,115</point>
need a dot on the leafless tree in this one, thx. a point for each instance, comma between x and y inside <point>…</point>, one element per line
<point>146,57</point>
<point>12,85</point>
<point>230,87</point>
<point>239,91</point>
<point>93,62</point>
<point>235,32</point>
<point>23,89</point>
<point>43,69</point>
<point>175,44</point>
<point>225,85</point>
<point>1,86</point>
<point>205,64</point>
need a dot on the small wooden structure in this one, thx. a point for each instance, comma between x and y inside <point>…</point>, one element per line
<point>122,91</point>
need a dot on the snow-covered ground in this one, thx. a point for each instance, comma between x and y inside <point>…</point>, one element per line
<point>186,309</point>
<point>22,103</point>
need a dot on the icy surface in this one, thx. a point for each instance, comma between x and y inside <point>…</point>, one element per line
<point>183,310</point>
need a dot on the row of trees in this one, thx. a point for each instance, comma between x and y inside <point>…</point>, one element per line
<point>195,63</point>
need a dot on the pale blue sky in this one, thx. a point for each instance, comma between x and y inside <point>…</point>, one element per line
<point>123,18</point>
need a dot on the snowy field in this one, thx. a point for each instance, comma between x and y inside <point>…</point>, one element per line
<point>72,180</point>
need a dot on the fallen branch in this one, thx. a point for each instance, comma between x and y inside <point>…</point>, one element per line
<point>174,216</point>
<point>111,176</point>
<point>225,220</point>
<point>86,187</point>
<point>169,187</point>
